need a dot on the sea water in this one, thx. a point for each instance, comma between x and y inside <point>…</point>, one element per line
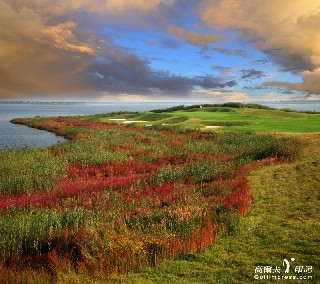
<point>19,136</point>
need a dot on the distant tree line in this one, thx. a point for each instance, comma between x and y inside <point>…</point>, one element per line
<point>197,106</point>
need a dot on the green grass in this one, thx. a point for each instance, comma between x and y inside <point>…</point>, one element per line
<point>270,113</point>
<point>283,222</point>
<point>260,120</point>
<point>237,118</point>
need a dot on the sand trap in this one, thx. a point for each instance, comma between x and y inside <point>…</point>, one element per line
<point>125,121</point>
<point>135,121</point>
<point>213,126</point>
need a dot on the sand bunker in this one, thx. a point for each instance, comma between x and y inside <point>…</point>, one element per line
<point>213,126</point>
<point>135,121</point>
<point>125,121</point>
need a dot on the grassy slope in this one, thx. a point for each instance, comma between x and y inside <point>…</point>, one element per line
<point>257,119</point>
<point>283,223</point>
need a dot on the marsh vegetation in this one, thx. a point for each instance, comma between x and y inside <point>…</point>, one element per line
<point>116,199</point>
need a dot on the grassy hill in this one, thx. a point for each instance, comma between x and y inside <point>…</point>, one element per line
<point>228,118</point>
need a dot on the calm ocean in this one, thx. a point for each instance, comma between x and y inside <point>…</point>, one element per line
<point>18,136</point>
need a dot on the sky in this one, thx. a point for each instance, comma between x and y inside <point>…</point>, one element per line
<point>159,50</point>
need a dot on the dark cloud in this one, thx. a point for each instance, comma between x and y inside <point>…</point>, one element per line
<point>292,62</point>
<point>224,71</point>
<point>263,60</point>
<point>253,87</point>
<point>120,73</point>
<point>249,74</point>
<point>287,92</point>
<point>214,83</point>
<point>227,51</point>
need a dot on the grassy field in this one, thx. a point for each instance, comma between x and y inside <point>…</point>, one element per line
<point>231,118</point>
<point>283,222</point>
<point>116,199</point>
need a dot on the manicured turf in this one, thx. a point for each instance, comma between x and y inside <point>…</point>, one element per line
<point>244,118</point>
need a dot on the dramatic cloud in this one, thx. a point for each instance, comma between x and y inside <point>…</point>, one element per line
<point>287,31</point>
<point>156,49</point>
<point>39,58</point>
<point>310,84</point>
<point>48,49</point>
<point>118,72</point>
<point>62,37</point>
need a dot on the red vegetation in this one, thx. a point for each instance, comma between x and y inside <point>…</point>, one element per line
<point>184,210</point>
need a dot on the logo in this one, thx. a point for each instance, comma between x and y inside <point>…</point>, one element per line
<point>290,269</point>
<point>287,263</point>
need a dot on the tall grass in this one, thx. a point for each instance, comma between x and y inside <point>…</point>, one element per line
<point>121,198</point>
<point>28,233</point>
<point>29,170</point>
<point>259,146</point>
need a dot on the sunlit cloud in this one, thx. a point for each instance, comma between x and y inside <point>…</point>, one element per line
<point>63,58</point>
<point>137,4</point>
<point>159,49</point>
<point>62,37</point>
<point>287,31</point>
<point>61,7</point>
<point>310,84</point>
<point>193,37</point>
<point>46,50</point>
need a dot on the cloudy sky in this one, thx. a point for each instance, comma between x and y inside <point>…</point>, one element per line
<point>160,50</point>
